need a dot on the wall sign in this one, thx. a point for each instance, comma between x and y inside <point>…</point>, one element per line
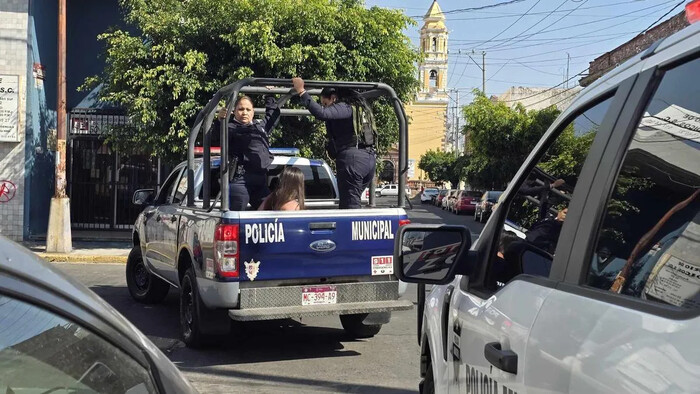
<point>7,191</point>
<point>9,108</point>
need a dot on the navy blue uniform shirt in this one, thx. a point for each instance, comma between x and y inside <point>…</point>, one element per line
<point>338,118</point>
<point>250,143</point>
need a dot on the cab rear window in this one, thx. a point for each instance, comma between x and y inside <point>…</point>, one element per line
<point>318,184</point>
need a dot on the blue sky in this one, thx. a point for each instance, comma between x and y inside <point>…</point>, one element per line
<point>531,50</point>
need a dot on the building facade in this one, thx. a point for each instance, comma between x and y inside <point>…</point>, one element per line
<point>428,112</point>
<point>99,178</point>
<point>538,98</point>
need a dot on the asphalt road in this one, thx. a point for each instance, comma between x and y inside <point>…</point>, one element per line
<point>312,355</point>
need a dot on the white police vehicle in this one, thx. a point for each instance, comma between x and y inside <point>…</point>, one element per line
<point>603,295</point>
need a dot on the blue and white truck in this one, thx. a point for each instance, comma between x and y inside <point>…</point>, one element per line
<point>263,265</point>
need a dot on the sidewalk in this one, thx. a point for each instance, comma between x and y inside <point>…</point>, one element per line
<point>115,252</point>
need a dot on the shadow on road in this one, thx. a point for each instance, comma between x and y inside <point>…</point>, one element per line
<point>302,382</point>
<point>249,342</point>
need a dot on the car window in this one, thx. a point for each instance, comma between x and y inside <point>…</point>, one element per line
<point>166,191</point>
<point>181,189</point>
<point>41,352</point>
<point>493,196</point>
<point>317,182</point>
<point>649,242</point>
<point>538,210</point>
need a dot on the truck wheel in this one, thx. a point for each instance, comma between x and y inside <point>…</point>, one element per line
<point>143,286</point>
<point>197,322</point>
<point>427,384</point>
<point>354,325</point>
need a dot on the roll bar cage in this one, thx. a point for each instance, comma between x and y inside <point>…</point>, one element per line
<point>284,87</point>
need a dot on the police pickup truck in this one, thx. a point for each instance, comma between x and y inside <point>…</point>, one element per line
<point>263,265</point>
<point>598,291</point>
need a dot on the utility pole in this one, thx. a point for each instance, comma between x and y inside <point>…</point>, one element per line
<point>483,72</point>
<point>568,58</point>
<point>58,238</point>
<point>458,137</point>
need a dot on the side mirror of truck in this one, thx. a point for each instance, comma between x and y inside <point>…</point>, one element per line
<point>431,254</point>
<point>143,197</point>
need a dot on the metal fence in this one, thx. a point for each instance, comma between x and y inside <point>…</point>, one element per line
<point>101,180</point>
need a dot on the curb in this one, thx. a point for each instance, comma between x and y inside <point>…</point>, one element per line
<point>80,258</point>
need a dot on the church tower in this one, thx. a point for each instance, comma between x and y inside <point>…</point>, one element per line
<point>433,45</point>
<point>428,111</point>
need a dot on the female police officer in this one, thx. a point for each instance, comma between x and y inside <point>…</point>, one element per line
<point>355,163</point>
<point>249,144</point>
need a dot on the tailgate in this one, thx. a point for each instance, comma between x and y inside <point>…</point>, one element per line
<point>317,244</point>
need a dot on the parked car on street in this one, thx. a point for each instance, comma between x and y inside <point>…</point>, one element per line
<point>466,201</point>
<point>438,199</point>
<point>485,205</point>
<point>598,290</point>
<point>447,199</point>
<point>428,194</point>
<point>390,190</point>
<point>58,336</point>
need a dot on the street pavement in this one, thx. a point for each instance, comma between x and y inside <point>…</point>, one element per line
<point>312,355</point>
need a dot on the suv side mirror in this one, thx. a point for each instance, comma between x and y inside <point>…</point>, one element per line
<point>431,254</point>
<point>143,197</point>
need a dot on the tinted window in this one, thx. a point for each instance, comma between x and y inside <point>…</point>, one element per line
<point>41,352</point>
<point>649,243</point>
<point>538,210</point>
<point>493,196</point>
<point>166,191</point>
<point>317,182</point>
<point>181,189</point>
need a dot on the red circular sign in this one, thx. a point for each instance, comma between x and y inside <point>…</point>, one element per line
<point>7,191</point>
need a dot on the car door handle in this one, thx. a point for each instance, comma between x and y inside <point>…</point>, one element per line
<point>505,360</point>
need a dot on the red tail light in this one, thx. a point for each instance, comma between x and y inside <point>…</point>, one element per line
<point>403,222</point>
<point>226,255</point>
<point>692,11</point>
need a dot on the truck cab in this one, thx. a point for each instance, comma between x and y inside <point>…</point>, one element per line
<point>597,290</point>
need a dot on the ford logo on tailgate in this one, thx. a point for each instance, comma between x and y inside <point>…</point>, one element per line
<point>323,245</point>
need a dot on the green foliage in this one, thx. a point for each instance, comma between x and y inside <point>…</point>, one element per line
<point>499,139</point>
<point>186,50</point>
<point>441,166</point>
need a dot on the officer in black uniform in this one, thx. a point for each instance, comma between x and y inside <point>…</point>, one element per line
<point>355,163</point>
<point>249,144</point>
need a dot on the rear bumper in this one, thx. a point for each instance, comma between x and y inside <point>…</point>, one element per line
<point>279,302</point>
<point>299,311</point>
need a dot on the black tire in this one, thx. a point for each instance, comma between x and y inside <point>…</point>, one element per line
<point>143,286</point>
<point>197,322</point>
<point>353,325</point>
<point>427,384</point>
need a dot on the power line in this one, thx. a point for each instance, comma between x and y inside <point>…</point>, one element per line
<point>506,15</point>
<point>484,7</point>
<point>536,23</point>
<point>662,16</point>
<point>601,20</point>
<point>550,97</point>
<point>516,21</point>
<point>547,90</point>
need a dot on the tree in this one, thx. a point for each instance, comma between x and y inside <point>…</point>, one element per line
<point>499,139</point>
<point>185,50</point>
<point>440,166</point>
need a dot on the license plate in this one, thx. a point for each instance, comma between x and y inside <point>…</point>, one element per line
<point>319,295</point>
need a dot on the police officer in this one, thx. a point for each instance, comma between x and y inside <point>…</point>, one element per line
<point>249,144</point>
<point>355,163</point>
